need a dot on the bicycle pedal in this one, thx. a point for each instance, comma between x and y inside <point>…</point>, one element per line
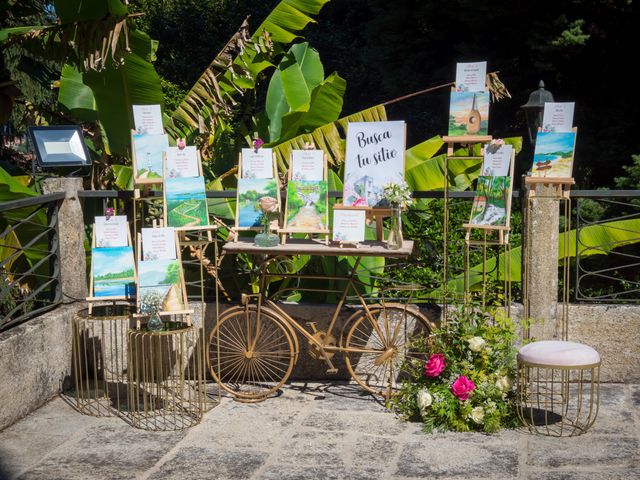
<point>332,371</point>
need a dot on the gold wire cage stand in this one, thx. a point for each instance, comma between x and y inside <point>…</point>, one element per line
<point>557,394</point>
<point>100,359</point>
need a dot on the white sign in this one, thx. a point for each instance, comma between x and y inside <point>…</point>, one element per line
<point>374,158</point>
<point>182,162</point>
<point>257,163</point>
<point>159,243</point>
<point>112,231</point>
<point>558,117</point>
<point>148,119</point>
<point>497,160</point>
<point>348,225</point>
<point>307,165</point>
<point>471,77</point>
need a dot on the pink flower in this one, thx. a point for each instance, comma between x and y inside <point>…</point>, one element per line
<point>435,365</point>
<point>360,202</point>
<point>463,387</point>
<point>181,143</point>
<point>109,212</point>
<point>257,143</point>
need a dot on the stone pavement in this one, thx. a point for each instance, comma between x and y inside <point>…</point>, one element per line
<point>315,431</point>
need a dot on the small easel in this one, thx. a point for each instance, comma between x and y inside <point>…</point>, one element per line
<point>287,229</point>
<point>113,299</point>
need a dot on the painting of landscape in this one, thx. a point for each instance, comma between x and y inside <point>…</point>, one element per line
<point>491,201</point>
<point>307,205</point>
<point>186,204</point>
<point>553,156</point>
<point>149,150</point>
<point>250,191</point>
<point>469,113</point>
<point>162,276</point>
<point>113,272</point>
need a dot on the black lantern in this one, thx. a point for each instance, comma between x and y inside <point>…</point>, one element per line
<point>533,110</point>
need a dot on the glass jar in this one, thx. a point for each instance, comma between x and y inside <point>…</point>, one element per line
<point>394,238</point>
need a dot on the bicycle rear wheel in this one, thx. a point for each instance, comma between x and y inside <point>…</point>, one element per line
<point>256,356</point>
<point>378,351</point>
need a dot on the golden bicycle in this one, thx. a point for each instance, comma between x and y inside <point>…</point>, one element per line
<point>253,347</point>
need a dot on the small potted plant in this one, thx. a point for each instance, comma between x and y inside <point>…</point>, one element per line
<point>398,195</point>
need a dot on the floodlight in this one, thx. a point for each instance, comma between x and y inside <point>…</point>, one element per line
<point>60,146</point>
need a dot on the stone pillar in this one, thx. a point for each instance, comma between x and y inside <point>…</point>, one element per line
<point>73,265</point>
<point>542,268</point>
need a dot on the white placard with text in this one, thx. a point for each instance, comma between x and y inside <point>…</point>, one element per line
<point>497,160</point>
<point>182,162</point>
<point>257,163</point>
<point>307,165</point>
<point>349,225</point>
<point>471,77</point>
<point>558,117</point>
<point>112,231</point>
<point>148,119</point>
<point>374,158</point>
<point>159,243</point>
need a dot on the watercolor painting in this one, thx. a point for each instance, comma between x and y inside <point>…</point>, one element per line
<point>553,156</point>
<point>468,113</point>
<point>113,272</point>
<point>161,276</point>
<point>491,201</point>
<point>149,150</point>
<point>307,205</point>
<point>186,202</point>
<point>250,191</point>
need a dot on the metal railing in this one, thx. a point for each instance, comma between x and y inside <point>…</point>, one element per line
<point>29,258</point>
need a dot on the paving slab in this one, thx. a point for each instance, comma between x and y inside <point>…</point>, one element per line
<point>312,430</point>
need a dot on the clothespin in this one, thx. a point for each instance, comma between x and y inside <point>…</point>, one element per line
<point>181,143</point>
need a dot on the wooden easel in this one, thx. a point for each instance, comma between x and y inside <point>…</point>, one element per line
<point>92,298</point>
<point>287,230</point>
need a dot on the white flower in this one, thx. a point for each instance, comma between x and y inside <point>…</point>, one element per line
<point>504,384</point>
<point>424,400</point>
<point>477,415</point>
<point>476,344</point>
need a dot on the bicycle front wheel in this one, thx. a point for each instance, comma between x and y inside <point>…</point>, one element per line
<point>256,355</point>
<point>377,345</point>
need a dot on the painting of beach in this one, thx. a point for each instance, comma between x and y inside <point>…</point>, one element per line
<point>113,272</point>
<point>164,277</point>
<point>553,156</point>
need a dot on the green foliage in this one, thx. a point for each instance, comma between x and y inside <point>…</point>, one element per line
<point>479,345</point>
<point>173,274</point>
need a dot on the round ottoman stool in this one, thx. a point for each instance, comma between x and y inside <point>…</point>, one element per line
<point>558,387</point>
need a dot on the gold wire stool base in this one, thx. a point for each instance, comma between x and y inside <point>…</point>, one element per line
<point>558,401</point>
<point>100,359</point>
<point>166,379</point>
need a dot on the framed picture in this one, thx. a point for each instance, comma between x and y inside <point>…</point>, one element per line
<point>257,163</point>
<point>374,158</point>
<point>163,278</point>
<point>492,202</point>
<point>349,224</point>
<point>185,202</point>
<point>112,272</point>
<point>148,155</point>
<point>553,155</point>
<point>468,113</point>
<point>111,231</point>
<point>306,210</point>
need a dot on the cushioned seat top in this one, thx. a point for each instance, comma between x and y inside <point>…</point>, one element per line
<point>558,353</point>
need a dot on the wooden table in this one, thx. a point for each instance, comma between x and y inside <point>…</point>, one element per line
<point>369,248</point>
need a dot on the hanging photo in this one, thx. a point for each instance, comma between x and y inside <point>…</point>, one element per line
<point>185,202</point>
<point>161,278</point>
<point>307,165</point>
<point>111,231</point>
<point>182,162</point>
<point>374,158</point>
<point>251,191</point>
<point>553,155</point>
<point>257,163</point>
<point>148,155</point>
<point>468,113</point>
<point>113,272</point>
<point>159,243</point>
<point>148,119</point>
<point>491,202</point>
<point>349,225</point>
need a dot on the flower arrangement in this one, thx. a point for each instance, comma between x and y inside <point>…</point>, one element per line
<point>151,304</point>
<point>397,194</point>
<point>466,382</point>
